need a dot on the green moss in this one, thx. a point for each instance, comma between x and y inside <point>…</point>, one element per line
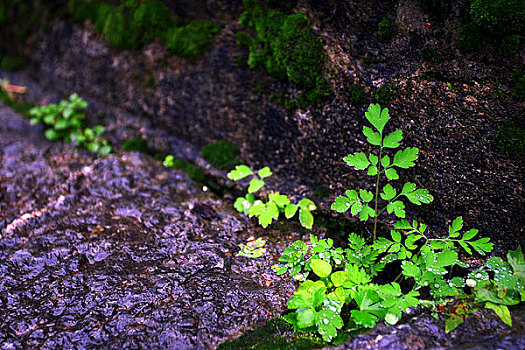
<point>222,154</point>
<point>491,21</point>
<point>385,29</point>
<point>275,335</point>
<point>385,93</point>
<point>286,47</point>
<point>81,10</point>
<point>511,137</point>
<point>357,94</point>
<point>151,19</point>
<point>193,39</point>
<point>136,144</point>
<point>11,63</point>
<point>116,30</point>
<point>519,88</point>
<point>509,45</point>
<point>194,172</point>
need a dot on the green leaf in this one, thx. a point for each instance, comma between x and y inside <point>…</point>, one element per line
<point>517,261</point>
<point>452,322</point>
<point>307,204</point>
<point>372,170</point>
<point>255,185</point>
<point>264,172</point>
<point>366,212</point>
<point>408,187</point>
<point>358,160</point>
<point>396,236</point>
<point>385,161</point>
<point>290,210</point>
<point>405,158</point>
<point>446,258</point>
<point>270,213</point>
<point>240,172</point>
<point>469,234</point>
<point>342,204</point>
<point>239,205</point>
<point>501,310</point>
<point>366,196</point>
<point>482,245</point>
<point>321,268</point>
<point>339,277</point>
<point>402,225</point>
<point>388,192</point>
<point>419,196</point>
<point>306,219</point>
<point>377,117</point>
<point>397,207</point>
<point>306,318</point>
<point>411,270</point>
<point>51,134</point>
<point>393,139</point>
<point>373,159</point>
<point>257,208</point>
<point>391,174</point>
<point>372,137</point>
<point>364,318</point>
<point>280,199</point>
<point>453,229</point>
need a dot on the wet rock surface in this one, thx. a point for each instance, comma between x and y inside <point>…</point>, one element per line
<point>119,253</point>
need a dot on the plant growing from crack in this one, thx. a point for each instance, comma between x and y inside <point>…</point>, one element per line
<point>268,206</point>
<point>66,122</point>
<point>339,281</point>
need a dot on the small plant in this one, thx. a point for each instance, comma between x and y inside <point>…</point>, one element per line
<point>66,122</point>
<point>254,248</point>
<point>270,205</point>
<point>343,282</point>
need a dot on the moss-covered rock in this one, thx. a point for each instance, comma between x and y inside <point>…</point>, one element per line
<point>152,19</point>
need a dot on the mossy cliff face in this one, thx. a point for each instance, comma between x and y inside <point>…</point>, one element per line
<point>451,110</point>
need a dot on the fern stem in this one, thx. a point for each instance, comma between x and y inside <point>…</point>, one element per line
<point>377,190</point>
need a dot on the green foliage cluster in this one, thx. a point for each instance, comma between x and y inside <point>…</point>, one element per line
<point>385,29</point>
<point>511,137</point>
<point>285,46</point>
<point>194,172</point>
<point>344,286</point>
<point>135,23</point>
<point>66,122</point>
<point>222,154</point>
<point>136,144</point>
<point>498,22</point>
<point>269,206</point>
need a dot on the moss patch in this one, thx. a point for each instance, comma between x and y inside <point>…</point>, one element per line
<point>222,154</point>
<point>192,40</point>
<point>11,63</point>
<point>511,137</point>
<point>276,334</point>
<point>285,46</point>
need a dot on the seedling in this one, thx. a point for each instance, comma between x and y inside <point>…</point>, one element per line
<point>267,207</point>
